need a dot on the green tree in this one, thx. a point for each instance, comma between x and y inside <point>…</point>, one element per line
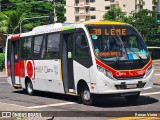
<point>10,22</point>
<point>3,23</point>
<point>29,9</point>
<point>60,11</point>
<point>145,22</point>
<point>114,14</point>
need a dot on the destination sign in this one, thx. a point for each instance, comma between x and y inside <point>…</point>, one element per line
<point>99,31</point>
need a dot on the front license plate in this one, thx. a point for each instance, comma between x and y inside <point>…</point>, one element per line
<point>131,86</point>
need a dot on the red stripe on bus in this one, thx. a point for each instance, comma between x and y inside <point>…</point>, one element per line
<point>15,36</point>
<point>16,68</point>
<point>124,73</point>
<point>21,68</point>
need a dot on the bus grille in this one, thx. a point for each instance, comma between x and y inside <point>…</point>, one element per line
<point>125,65</point>
<point>129,78</point>
<point>124,86</point>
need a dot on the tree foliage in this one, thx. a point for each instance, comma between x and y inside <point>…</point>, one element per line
<point>14,11</point>
<point>114,14</point>
<point>144,21</point>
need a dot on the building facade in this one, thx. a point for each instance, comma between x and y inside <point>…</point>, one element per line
<point>93,10</point>
<point>86,10</point>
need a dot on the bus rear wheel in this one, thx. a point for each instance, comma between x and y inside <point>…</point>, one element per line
<point>29,87</point>
<point>132,98</point>
<point>86,96</point>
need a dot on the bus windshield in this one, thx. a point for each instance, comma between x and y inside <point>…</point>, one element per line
<point>118,42</point>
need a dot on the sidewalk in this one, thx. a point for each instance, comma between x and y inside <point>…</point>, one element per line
<point>3,74</point>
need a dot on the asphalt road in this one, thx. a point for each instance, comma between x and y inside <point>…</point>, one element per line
<point>17,100</point>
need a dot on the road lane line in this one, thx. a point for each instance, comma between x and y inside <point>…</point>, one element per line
<point>152,93</point>
<point>156,69</point>
<point>51,105</point>
<point>3,82</point>
<point>156,74</point>
<point>13,104</point>
<point>156,86</point>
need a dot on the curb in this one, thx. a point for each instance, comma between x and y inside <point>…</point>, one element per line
<point>3,77</point>
<point>158,84</point>
<point>154,61</point>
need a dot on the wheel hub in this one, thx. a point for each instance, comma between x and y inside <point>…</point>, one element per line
<point>29,87</point>
<point>86,95</point>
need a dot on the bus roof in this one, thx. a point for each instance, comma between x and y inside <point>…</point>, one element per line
<point>63,26</point>
<point>104,23</point>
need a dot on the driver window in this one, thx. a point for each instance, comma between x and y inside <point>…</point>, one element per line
<point>81,45</point>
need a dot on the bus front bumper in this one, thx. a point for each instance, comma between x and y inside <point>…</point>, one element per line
<point>106,85</point>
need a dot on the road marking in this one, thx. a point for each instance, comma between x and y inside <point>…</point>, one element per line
<point>13,105</point>
<point>51,105</point>
<point>156,69</point>
<point>156,74</point>
<point>3,82</point>
<point>156,86</point>
<point>152,93</point>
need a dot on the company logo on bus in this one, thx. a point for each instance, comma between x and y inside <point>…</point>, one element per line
<point>129,73</point>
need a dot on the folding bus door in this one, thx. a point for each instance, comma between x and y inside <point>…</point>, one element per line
<point>14,62</point>
<point>67,62</point>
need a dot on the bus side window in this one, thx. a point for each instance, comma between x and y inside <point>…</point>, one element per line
<point>38,40</point>
<point>53,42</point>
<point>81,47</point>
<point>25,52</point>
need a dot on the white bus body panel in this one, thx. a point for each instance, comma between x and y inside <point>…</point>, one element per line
<point>107,86</point>
<point>46,76</point>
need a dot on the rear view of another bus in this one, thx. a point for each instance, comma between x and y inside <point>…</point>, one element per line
<point>124,65</point>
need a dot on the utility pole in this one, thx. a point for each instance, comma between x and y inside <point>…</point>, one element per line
<point>55,16</point>
<point>158,6</point>
<point>20,24</point>
<point>54,10</point>
<point>0,5</point>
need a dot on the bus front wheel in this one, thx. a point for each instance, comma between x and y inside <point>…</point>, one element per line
<point>29,87</point>
<point>132,98</point>
<point>86,96</point>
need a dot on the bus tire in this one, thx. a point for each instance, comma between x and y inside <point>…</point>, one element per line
<point>86,96</point>
<point>16,87</point>
<point>29,87</point>
<point>132,98</point>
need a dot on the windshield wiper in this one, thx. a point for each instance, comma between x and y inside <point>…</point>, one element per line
<point>121,43</point>
<point>135,53</point>
<point>124,46</point>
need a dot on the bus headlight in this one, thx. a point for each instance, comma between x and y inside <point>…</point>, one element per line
<point>105,72</point>
<point>148,71</point>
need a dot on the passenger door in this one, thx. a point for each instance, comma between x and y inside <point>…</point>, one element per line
<point>67,61</point>
<point>14,62</point>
